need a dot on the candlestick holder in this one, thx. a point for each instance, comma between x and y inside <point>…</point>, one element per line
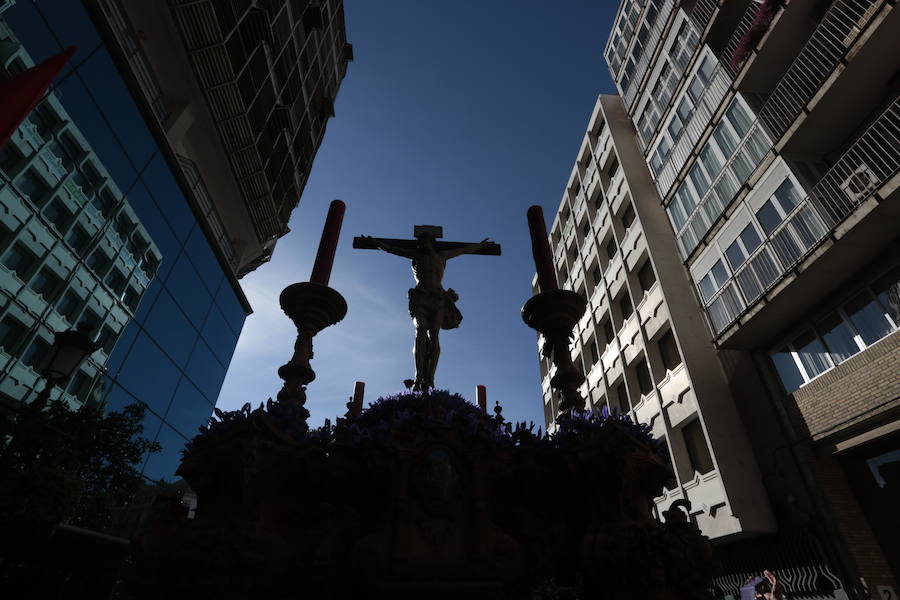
<point>554,314</point>
<point>312,307</point>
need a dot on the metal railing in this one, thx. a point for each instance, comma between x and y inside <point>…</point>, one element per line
<point>126,36</point>
<point>648,52</point>
<point>868,164</point>
<point>821,54</point>
<point>740,29</point>
<point>837,31</point>
<point>748,154</point>
<point>702,13</point>
<point>699,118</point>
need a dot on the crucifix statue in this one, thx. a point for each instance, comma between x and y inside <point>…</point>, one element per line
<point>431,307</point>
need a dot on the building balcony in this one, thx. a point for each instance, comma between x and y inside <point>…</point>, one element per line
<point>845,220</point>
<point>652,310</point>
<point>614,276</point>
<point>611,360</point>
<point>677,395</point>
<point>647,411</point>
<point>618,191</point>
<point>630,338</point>
<point>633,245</point>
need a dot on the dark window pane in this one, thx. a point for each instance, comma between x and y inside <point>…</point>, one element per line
<point>643,377</point>
<point>11,333</point>
<point>69,306</point>
<point>668,349</point>
<point>812,354</point>
<point>19,259</point>
<point>787,369</point>
<point>838,337</point>
<point>868,318</point>
<point>646,276</point>
<point>608,331</point>
<point>46,283</point>
<point>887,288</point>
<point>37,354</point>
<point>622,397</point>
<point>625,306</point>
<point>697,448</point>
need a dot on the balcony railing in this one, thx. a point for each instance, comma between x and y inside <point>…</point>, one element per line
<point>125,35</point>
<point>734,41</point>
<point>748,154</point>
<point>871,161</point>
<point>700,117</point>
<point>648,51</point>
<point>702,13</point>
<point>837,31</point>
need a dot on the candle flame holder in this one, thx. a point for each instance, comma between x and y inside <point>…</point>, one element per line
<point>554,314</point>
<point>312,307</point>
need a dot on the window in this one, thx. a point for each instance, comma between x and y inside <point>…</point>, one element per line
<point>37,353</point>
<point>787,369</point>
<point>98,261</point>
<point>131,298</point>
<point>116,281</point>
<point>668,349</point>
<point>812,354</point>
<point>46,283</point>
<point>10,157</point>
<point>622,398</point>
<point>839,338</point>
<point>81,385</point>
<point>625,306</point>
<point>628,216</point>
<point>643,377</point>
<point>12,331</point>
<point>57,214</point>
<point>33,186</point>
<point>697,448</point>
<point>611,248</point>
<point>596,275</point>
<point>107,339</point>
<point>868,318</point>
<point>742,247</point>
<point>69,306</point>
<point>592,352</point>
<point>78,239</point>
<point>586,229</point>
<point>646,276</point>
<point>713,280</point>
<point>887,289</point>
<point>613,168</point>
<point>608,331</point>
<point>19,259</point>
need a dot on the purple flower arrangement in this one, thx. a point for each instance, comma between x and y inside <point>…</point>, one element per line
<point>405,413</point>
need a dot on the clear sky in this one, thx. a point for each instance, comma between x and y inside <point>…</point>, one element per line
<point>460,114</point>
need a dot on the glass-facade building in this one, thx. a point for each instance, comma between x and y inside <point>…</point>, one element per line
<point>96,227</point>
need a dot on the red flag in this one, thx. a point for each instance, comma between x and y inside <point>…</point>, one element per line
<point>21,93</point>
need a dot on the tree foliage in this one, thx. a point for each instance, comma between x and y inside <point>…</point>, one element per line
<point>70,466</point>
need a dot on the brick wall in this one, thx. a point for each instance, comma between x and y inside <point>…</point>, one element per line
<point>858,388</point>
<point>853,526</point>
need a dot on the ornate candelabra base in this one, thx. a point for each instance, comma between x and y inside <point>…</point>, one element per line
<point>554,314</point>
<point>312,307</point>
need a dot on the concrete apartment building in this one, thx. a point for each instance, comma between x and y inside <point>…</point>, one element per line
<point>734,220</point>
<point>242,91</point>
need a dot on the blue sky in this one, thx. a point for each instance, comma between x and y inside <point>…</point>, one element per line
<point>457,114</point>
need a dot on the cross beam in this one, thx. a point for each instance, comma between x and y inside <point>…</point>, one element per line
<point>365,244</point>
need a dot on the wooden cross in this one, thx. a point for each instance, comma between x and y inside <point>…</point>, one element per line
<point>364,243</point>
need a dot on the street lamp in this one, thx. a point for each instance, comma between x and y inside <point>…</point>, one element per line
<point>70,349</point>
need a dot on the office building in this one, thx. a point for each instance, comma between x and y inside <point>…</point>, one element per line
<point>769,134</point>
<point>100,225</point>
<point>242,92</point>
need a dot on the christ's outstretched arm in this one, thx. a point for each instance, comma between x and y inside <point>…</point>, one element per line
<point>467,249</point>
<point>388,248</point>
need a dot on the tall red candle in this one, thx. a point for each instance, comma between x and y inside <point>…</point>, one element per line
<point>359,390</point>
<point>540,249</point>
<point>481,394</point>
<point>328,244</point>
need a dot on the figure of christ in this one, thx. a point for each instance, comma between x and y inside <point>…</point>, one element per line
<point>431,307</point>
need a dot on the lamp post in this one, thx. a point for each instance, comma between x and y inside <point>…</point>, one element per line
<point>70,349</point>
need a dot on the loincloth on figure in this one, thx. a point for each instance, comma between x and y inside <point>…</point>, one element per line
<point>423,304</point>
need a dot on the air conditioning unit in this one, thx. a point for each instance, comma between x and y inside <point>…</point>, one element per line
<point>860,183</point>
